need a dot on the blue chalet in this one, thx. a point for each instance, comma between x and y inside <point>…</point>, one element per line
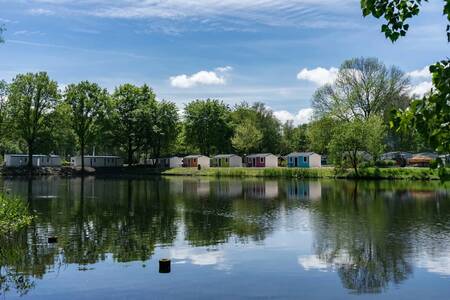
<point>304,160</point>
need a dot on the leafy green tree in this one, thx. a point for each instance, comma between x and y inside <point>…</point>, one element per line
<point>247,138</point>
<point>396,13</point>
<point>364,87</point>
<point>86,103</point>
<point>129,103</point>
<point>161,128</point>
<point>208,126</point>
<point>264,121</point>
<point>32,97</point>
<point>294,138</point>
<point>430,116</point>
<point>351,139</point>
<point>320,133</point>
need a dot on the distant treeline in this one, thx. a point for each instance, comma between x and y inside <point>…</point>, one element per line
<point>351,115</point>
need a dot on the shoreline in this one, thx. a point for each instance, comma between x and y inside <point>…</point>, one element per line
<point>394,173</point>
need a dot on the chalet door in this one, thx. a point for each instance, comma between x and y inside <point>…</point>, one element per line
<point>254,162</point>
<point>296,162</point>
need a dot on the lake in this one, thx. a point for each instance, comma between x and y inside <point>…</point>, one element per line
<point>229,238</point>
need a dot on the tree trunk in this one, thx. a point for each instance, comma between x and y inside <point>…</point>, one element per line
<point>130,153</point>
<point>30,156</point>
<point>82,156</point>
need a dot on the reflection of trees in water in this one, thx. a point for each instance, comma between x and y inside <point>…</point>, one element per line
<point>368,236</point>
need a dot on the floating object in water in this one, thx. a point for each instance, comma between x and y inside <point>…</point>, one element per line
<point>164,265</point>
<point>52,240</point>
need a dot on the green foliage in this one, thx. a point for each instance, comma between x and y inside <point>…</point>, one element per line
<point>320,133</point>
<point>353,139</point>
<point>294,138</point>
<point>264,121</point>
<point>14,214</point>
<point>247,138</point>
<point>32,97</point>
<point>397,13</point>
<point>129,107</point>
<point>364,87</point>
<point>430,116</point>
<point>208,126</point>
<point>385,163</point>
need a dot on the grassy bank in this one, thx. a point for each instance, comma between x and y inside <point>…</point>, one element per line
<point>326,172</point>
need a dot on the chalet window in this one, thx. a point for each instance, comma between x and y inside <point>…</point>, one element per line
<point>262,159</point>
<point>305,159</point>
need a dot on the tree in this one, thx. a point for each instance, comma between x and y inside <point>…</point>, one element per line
<point>32,98</point>
<point>351,139</point>
<point>265,122</point>
<point>430,116</point>
<point>129,103</point>
<point>396,13</point>
<point>208,126</point>
<point>86,101</point>
<point>294,138</point>
<point>162,128</point>
<point>247,138</point>
<point>320,133</point>
<point>364,87</point>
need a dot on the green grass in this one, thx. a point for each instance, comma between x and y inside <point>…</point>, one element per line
<point>326,172</point>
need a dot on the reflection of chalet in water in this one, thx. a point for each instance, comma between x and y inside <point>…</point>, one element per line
<point>304,190</point>
<point>261,189</point>
<point>227,188</point>
<point>197,187</point>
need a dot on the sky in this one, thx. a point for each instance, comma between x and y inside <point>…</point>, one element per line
<point>273,51</point>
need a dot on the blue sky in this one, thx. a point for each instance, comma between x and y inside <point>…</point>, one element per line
<point>274,51</point>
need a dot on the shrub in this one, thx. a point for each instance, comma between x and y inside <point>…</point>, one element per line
<point>385,163</point>
<point>14,214</point>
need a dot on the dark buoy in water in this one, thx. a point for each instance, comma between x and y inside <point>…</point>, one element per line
<point>52,240</point>
<point>164,265</point>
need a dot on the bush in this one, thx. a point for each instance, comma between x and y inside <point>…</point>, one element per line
<point>14,214</point>
<point>386,163</point>
<point>434,164</point>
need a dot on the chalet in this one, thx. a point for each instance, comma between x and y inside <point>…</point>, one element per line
<point>262,160</point>
<point>169,162</point>
<point>422,159</point>
<point>193,161</point>
<point>39,160</point>
<point>304,160</point>
<point>226,160</point>
<point>97,161</point>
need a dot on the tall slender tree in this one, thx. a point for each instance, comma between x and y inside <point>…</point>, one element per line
<point>87,105</point>
<point>32,97</point>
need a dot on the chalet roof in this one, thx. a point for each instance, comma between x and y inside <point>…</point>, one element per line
<point>260,155</point>
<point>34,155</point>
<point>195,156</point>
<point>226,155</point>
<point>301,154</point>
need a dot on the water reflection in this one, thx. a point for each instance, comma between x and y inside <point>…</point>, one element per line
<point>372,234</point>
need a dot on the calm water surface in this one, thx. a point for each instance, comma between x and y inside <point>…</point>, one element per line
<point>229,238</point>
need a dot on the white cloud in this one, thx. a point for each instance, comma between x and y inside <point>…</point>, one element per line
<point>319,76</point>
<point>422,73</point>
<point>302,117</point>
<point>40,12</point>
<point>216,77</point>
<point>421,88</point>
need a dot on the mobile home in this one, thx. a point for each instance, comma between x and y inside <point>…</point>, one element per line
<point>97,161</point>
<point>193,161</point>
<point>39,160</point>
<point>169,162</point>
<point>226,160</point>
<point>304,160</point>
<point>262,160</point>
